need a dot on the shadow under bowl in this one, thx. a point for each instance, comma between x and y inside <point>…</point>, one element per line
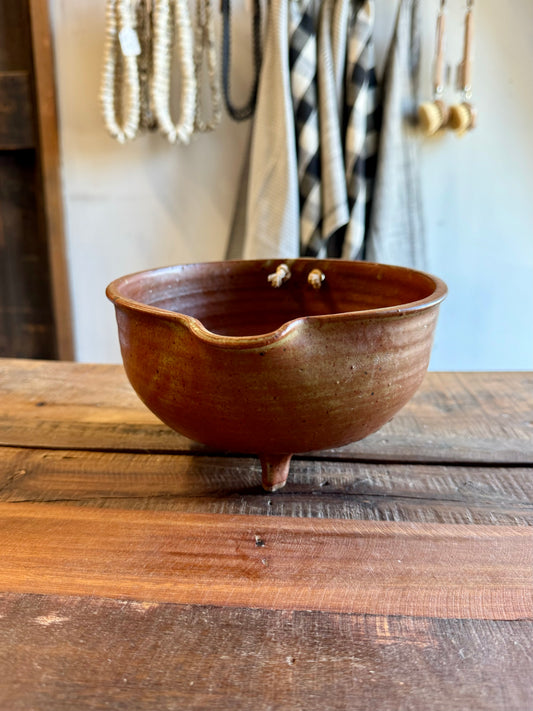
<point>224,358</point>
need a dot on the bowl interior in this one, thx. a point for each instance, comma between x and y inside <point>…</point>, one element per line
<point>236,298</point>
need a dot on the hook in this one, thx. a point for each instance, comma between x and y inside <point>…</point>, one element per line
<point>281,275</point>
<point>315,278</point>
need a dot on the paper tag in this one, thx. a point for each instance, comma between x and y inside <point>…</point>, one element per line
<point>129,42</point>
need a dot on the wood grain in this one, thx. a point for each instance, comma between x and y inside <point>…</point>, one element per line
<point>15,46</point>
<point>59,653</point>
<point>16,115</point>
<point>188,483</point>
<point>27,327</point>
<point>132,580</point>
<point>47,125</point>
<point>484,418</point>
<point>436,570</point>
<point>26,320</point>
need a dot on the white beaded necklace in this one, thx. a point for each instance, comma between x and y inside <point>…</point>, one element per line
<point>120,73</point>
<point>166,13</point>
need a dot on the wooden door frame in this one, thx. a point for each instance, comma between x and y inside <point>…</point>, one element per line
<point>49,155</point>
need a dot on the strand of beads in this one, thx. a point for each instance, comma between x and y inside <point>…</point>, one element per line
<point>170,16</point>
<point>205,45</point>
<point>144,30</point>
<point>240,113</point>
<point>119,90</point>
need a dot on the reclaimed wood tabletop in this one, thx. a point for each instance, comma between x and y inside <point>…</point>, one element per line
<point>141,570</point>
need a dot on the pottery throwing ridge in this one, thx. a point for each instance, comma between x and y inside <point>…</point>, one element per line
<point>232,357</point>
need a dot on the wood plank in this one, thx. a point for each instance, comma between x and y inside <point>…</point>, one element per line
<point>387,492</point>
<point>26,321</point>
<point>15,47</point>
<point>434,570</point>
<point>49,155</point>
<point>454,417</point>
<point>60,652</point>
<point>16,115</point>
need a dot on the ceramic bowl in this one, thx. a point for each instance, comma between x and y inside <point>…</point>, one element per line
<point>226,358</point>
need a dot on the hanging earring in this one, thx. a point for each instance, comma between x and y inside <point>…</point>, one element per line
<point>433,115</point>
<point>463,116</point>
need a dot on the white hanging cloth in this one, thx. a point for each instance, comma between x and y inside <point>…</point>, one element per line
<point>272,214</point>
<point>396,232</point>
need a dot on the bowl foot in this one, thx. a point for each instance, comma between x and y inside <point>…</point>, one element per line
<point>275,468</point>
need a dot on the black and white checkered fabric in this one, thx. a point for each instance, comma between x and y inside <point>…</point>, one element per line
<point>362,116</point>
<point>303,74</point>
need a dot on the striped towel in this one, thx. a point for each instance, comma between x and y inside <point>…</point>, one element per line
<point>335,213</point>
<point>362,121</point>
<point>303,72</point>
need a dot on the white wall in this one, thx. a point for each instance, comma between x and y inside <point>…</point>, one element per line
<point>147,203</point>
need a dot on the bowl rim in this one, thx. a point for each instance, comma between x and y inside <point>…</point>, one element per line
<point>126,303</point>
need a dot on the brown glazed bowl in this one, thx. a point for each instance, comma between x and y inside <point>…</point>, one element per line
<point>223,357</point>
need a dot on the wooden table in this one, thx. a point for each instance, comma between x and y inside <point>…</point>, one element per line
<point>140,570</point>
